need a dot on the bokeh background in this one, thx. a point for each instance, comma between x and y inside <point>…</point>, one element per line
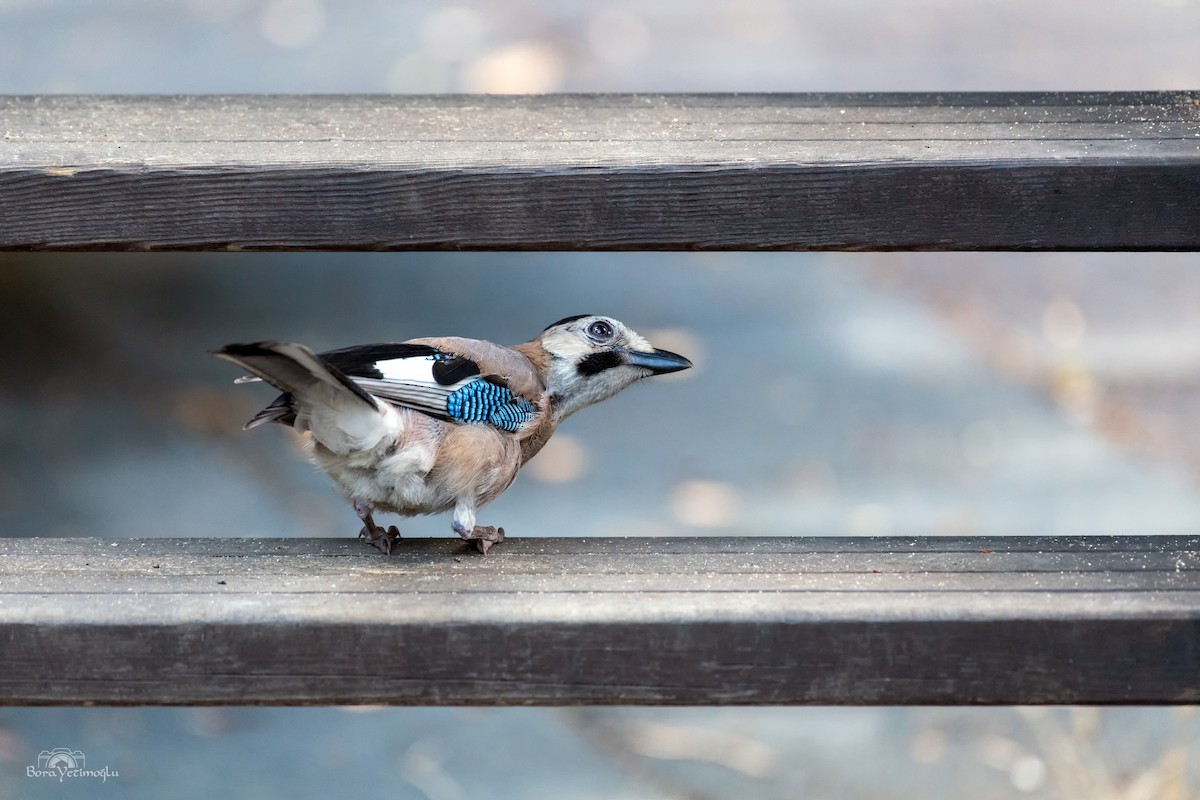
<point>834,393</point>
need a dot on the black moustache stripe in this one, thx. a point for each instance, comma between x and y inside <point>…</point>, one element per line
<point>597,363</point>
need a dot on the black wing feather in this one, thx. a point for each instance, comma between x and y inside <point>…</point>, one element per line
<point>452,370</point>
<point>360,360</point>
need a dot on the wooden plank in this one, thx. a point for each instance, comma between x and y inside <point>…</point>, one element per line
<point>697,621</point>
<point>860,171</point>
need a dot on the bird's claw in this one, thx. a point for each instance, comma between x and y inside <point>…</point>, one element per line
<point>379,538</point>
<point>482,536</point>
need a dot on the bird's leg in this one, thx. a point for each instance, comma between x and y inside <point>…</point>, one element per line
<point>372,533</point>
<point>483,536</point>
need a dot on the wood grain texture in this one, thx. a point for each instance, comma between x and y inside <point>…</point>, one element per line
<point>887,171</point>
<point>695,621</point>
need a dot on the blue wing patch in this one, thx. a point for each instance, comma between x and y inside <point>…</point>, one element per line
<point>482,401</point>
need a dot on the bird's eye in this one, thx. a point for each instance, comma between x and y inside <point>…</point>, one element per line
<point>600,330</point>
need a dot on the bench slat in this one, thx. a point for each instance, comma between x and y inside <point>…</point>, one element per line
<point>604,620</point>
<point>895,171</point>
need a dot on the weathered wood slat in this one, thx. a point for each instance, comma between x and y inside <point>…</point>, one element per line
<point>728,620</point>
<point>948,171</point>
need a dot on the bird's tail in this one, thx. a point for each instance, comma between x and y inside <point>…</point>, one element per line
<point>333,406</point>
<point>294,369</point>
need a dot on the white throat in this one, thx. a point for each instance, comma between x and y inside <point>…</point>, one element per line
<point>572,391</point>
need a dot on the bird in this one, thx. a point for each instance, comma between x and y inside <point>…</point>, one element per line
<point>430,425</point>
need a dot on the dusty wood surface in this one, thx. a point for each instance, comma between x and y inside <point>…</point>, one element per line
<point>697,621</point>
<point>948,171</point>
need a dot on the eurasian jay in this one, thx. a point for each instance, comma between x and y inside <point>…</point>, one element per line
<point>429,425</point>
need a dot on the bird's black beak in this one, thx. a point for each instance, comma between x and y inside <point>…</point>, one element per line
<point>660,362</point>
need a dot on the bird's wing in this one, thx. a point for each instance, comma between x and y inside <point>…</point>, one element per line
<point>447,381</point>
<point>453,379</point>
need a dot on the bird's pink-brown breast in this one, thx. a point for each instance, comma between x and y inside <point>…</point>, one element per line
<point>476,461</point>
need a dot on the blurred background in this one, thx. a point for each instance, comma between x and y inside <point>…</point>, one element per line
<point>895,393</point>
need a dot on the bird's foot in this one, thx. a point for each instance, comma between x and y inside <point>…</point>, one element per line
<point>482,536</point>
<point>379,538</point>
<point>373,534</point>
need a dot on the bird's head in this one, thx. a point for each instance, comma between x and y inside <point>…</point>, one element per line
<point>591,358</point>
